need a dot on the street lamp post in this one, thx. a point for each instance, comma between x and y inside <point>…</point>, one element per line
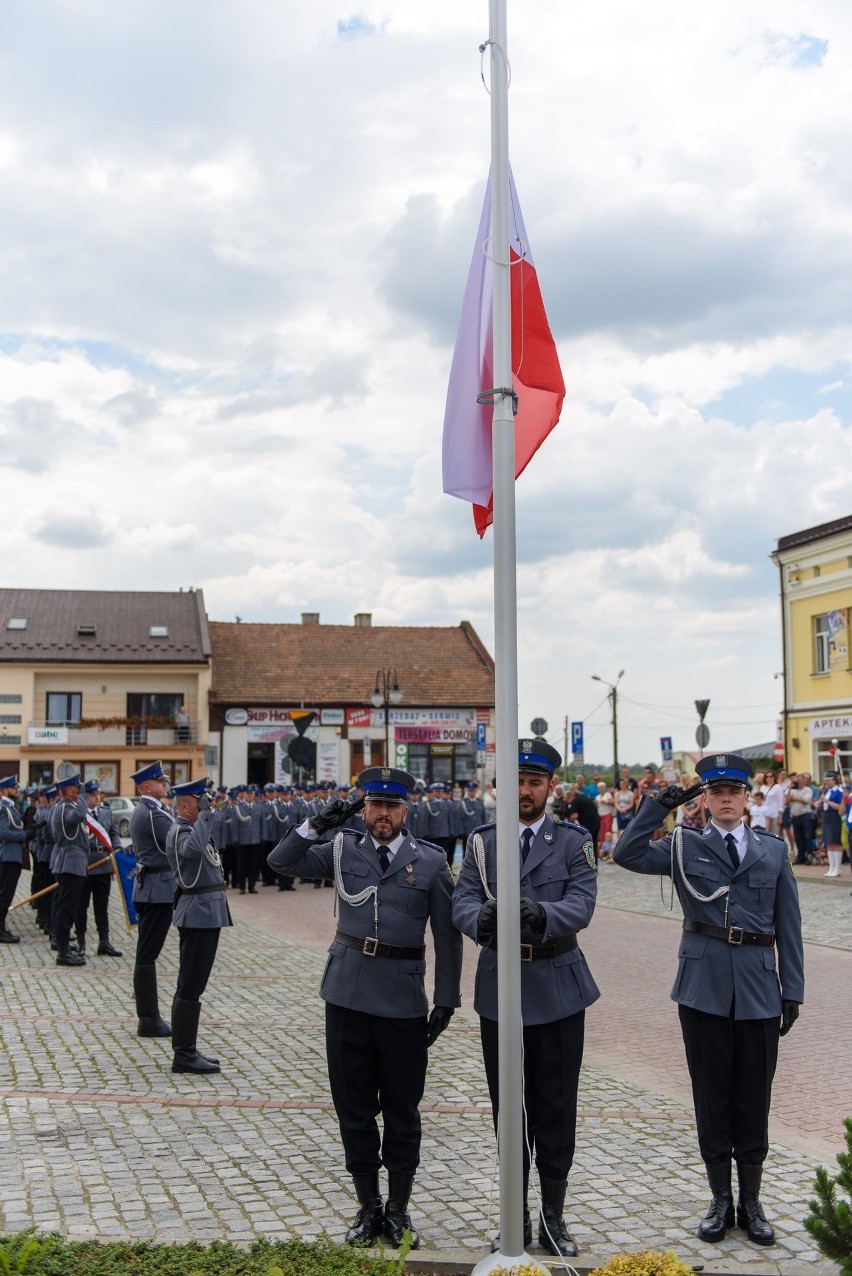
<point>612,696</point>
<point>386,693</point>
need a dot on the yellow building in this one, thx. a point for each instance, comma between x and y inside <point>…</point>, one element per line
<point>815,568</point>
<point>105,681</point>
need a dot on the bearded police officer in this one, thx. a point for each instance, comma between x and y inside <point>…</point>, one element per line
<point>558,892</point>
<point>740,903</point>
<point>152,893</point>
<point>201,910</point>
<point>12,838</point>
<point>389,884</point>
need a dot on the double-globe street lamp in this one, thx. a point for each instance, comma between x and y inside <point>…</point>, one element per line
<point>612,696</point>
<point>386,693</point>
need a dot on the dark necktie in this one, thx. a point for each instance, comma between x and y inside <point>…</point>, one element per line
<point>527,843</point>
<point>384,859</point>
<point>731,843</point>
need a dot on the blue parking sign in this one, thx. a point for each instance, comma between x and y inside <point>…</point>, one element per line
<point>576,737</point>
<point>480,736</point>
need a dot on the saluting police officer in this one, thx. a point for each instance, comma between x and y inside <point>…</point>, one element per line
<point>389,884</point>
<point>558,892</point>
<point>740,903</point>
<point>98,881</point>
<point>152,893</point>
<point>71,858</point>
<point>201,910</point>
<point>12,838</point>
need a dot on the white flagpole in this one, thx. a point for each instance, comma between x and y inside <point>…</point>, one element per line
<point>510,1142</point>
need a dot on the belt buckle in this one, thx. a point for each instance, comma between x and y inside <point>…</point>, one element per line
<point>371,944</point>
<point>526,952</point>
<point>735,935</point>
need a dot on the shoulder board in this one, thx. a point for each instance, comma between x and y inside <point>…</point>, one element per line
<point>576,828</point>
<point>480,828</point>
<point>422,841</point>
<point>760,834</point>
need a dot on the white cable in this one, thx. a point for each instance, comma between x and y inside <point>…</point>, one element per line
<point>482,49</point>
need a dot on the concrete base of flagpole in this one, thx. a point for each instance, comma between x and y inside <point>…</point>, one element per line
<point>505,1263</point>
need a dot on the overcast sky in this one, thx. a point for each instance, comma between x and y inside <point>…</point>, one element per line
<point>234,238</point>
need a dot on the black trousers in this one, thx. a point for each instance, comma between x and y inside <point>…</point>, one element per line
<point>553,1053</point>
<point>803,833</point>
<point>66,907</point>
<point>269,878</point>
<point>376,1065</point>
<point>229,864</point>
<point>9,874</point>
<point>154,923</point>
<point>248,865</point>
<point>197,954</point>
<point>731,1064</point>
<point>96,887</point>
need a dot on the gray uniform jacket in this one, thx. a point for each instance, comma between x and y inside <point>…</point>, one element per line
<point>712,974</point>
<point>472,813</point>
<point>437,818</point>
<point>557,874</point>
<point>70,836</point>
<point>12,834</point>
<point>97,850</point>
<point>241,824</point>
<point>195,863</point>
<point>43,835</point>
<point>149,828</point>
<point>256,810</point>
<point>416,888</point>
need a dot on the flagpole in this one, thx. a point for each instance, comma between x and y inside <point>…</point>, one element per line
<point>510,1143</point>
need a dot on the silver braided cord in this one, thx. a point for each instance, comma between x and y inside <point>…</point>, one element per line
<point>677,855</point>
<point>479,860</point>
<point>355,900</point>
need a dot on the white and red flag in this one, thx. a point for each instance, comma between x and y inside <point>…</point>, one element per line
<point>97,830</point>
<point>537,377</point>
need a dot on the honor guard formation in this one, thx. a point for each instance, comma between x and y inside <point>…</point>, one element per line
<point>388,848</point>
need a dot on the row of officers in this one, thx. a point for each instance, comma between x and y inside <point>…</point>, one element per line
<point>739,981</point>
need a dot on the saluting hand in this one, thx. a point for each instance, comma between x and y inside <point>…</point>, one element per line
<point>337,812</point>
<point>673,796</point>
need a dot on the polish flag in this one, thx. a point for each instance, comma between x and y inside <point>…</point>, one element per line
<point>537,377</point>
<point>97,829</point>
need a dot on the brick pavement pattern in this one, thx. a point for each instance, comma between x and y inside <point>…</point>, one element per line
<point>101,1140</point>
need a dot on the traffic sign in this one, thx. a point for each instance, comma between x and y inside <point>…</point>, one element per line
<point>702,735</point>
<point>576,737</point>
<point>666,747</point>
<point>778,752</point>
<point>538,726</point>
<point>480,735</point>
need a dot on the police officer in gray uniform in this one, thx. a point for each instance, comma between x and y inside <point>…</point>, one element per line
<point>98,881</point>
<point>152,893</point>
<point>389,884</point>
<point>201,910</point>
<point>740,904</point>
<point>12,838</point>
<point>70,859</point>
<point>558,892</point>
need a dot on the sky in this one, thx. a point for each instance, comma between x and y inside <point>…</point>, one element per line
<point>234,239</point>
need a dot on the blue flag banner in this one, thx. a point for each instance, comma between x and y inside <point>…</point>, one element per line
<point>125,862</point>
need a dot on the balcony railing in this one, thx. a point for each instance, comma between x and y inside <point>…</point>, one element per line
<point>128,734</point>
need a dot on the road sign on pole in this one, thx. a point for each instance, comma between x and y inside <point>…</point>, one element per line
<point>666,747</point>
<point>538,726</point>
<point>702,735</point>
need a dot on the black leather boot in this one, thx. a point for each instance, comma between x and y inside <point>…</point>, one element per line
<point>369,1222</point>
<point>553,1235</point>
<point>185,1017</point>
<point>750,1215</point>
<point>106,949</point>
<point>397,1217</point>
<point>147,1003</point>
<point>496,1243</point>
<point>720,1215</point>
<point>65,957</point>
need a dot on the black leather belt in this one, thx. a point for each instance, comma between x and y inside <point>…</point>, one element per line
<point>545,952</point>
<point>200,890</point>
<point>731,934</point>
<point>371,947</point>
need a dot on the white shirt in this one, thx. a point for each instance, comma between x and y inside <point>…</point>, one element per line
<point>308,831</point>
<point>740,837</point>
<point>534,828</point>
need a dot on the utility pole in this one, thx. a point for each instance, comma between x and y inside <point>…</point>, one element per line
<point>612,696</point>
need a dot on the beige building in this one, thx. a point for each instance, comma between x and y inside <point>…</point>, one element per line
<point>105,681</point>
<point>815,569</point>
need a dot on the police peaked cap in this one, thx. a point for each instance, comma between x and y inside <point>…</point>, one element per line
<point>190,788</point>
<point>725,768</point>
<point>535,754</point>
<point>153,771</point>
<point>385,784</point>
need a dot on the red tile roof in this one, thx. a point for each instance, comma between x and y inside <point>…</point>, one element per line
<point>315,664</point>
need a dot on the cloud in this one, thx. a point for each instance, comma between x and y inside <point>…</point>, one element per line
<point>83,530</point>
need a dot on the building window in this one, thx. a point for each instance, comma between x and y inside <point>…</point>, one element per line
<point>11,700</point>
<point>148,711</point>
<point>64,708</point>
<point>17,622</point>
<point>10,717</point>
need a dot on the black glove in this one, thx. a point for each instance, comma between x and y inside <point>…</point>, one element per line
<point>533,916</point>
<point>203,803</point>
<point>438,1020</point>
<point>789,1015</point>
<point>486,922</point>
<point>672,796</point>
<point>336,813</point>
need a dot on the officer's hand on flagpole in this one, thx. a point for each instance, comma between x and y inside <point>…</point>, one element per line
<point>673,796</point>
<point>336,813</point>
<point>438,1020</point>
<point>486,922</point>
<point>789,1015</point>
<point>533,916</point>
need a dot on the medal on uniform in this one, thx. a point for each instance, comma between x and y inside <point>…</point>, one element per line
<point>548,837</point>
<point>410,879</point>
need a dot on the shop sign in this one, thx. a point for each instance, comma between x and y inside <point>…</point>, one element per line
<point>236,717</point>
<point>435,735</point>
<point>332,717</point>
<point>47,735</point>
<point>365,717</point>
<point>828,728</point>
<point>433,717</point>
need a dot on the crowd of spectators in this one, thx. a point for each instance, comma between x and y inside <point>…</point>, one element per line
<point>814,818</point>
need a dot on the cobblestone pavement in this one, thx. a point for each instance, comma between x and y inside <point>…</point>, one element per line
<point>101,1140</point>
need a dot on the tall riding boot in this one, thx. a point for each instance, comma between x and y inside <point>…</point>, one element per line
<point>185,1016</point>
<point>370,1220</point>
<point>397,1217</point>
<point>720,1215</point>
<point>147,1003</point>
<point>496,1243</point>
<point>750,1215</point>
<point>552,1232</point>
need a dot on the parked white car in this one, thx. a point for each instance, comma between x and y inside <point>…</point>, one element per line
<point>122,809</point>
